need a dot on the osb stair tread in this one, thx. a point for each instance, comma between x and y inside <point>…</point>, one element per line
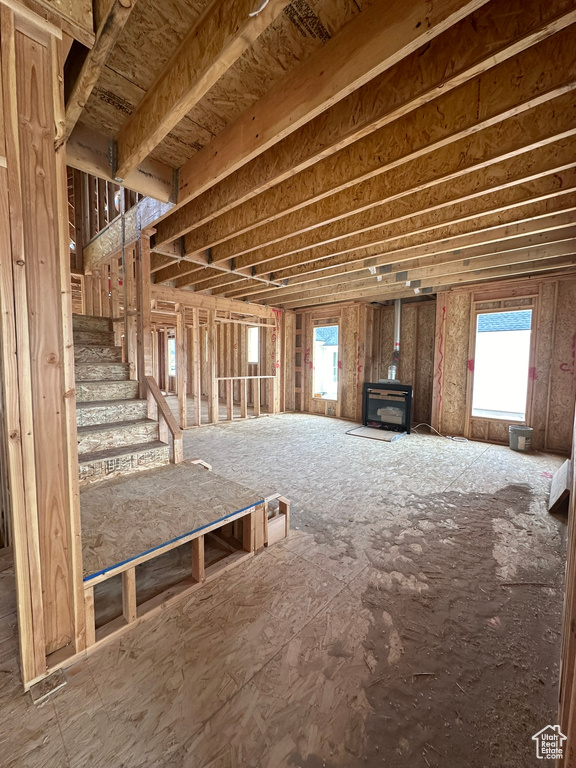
<point>93,382</point>
<point>129,516</point>
<point>125,450</point>
<point>108,403</point>
<point>115,425</point>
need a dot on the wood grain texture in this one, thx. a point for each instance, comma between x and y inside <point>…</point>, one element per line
<point>370,43</point>
<point>449,60</point>
<point>219,38</point>
<point>164,504</point>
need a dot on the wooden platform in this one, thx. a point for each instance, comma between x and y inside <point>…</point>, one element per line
<point>129,521</point>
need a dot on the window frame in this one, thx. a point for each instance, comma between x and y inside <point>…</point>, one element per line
<point>328,324</point>
<point>508,303</point>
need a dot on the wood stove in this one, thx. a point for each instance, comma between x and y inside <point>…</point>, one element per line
<point>387,405</point>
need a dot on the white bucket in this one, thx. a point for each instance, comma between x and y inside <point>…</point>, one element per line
<point>520,437</point>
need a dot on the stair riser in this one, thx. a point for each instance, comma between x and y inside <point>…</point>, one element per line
<point>106,339</point>
<point>102,371</point>
<point>123,465</point>
<point>97,354</point>
<point>109,414</point>
<point>88,323</point>
<point>106,390</point>
<point>111,437</point>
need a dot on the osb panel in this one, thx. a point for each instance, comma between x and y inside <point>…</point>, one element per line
<point>498,432</point>
<point>299,31</point>
<point>543,324</point>
<point>129,516</point>
<point>425,363</point>
<point>290,359</point>
<point>153,32</point>
<point>416,352</point>
<point>454,373</point>
<point>348,343</point>
<point>563,379</point>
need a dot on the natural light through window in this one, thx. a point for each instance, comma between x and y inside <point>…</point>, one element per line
<point>326,362</point>
<point>253,340</point>
<point>501,365</point>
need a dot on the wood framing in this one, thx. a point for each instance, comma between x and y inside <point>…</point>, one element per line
<point>36,303</point>
<point>219,38</point>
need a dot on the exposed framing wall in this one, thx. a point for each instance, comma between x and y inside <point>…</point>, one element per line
<point>553,374</point>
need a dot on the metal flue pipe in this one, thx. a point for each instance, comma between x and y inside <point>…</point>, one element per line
<point>393,367</point>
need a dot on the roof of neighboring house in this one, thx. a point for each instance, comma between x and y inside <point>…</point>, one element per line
<point>328,334</point>
<point>520,320</point>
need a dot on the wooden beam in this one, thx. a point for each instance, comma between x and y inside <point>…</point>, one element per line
<point>221,35</point>
<point>376,292</point>
<point>539,162</point>
<point>203,301</point>
<point>538,74</point>
<point>123,231</point>
<point>497,228</point>
<point>499,31</point>
<point>107,35</point>
<point>370,43</point>
<point>523,248</point>
<point>71,18</point>
<point>89,151</point>
<point>511,138</point>
<point>543,173</point>
<point>520,85</point>
<point>451,221</point>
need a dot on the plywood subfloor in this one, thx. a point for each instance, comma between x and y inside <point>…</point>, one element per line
<point>412,618</point>
<point>130,516</point>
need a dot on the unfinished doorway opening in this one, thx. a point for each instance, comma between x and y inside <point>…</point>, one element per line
<point>502,365</point>
<point>325,362</point>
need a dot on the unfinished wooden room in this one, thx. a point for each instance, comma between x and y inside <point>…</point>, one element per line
<point>287,383</point>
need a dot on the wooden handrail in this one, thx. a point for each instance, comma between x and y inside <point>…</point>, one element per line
<point>166,416</point>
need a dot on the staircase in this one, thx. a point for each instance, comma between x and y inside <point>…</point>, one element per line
<point>115,435</point>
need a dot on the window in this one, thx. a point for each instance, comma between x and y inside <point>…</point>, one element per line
<point>172,356</point>
<point>502,365</point>
<point>325,380</point>
<point>253,344</point>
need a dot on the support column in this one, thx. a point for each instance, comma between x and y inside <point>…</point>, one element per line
<point>197,369</point>
<point>212,383</point>
<point>37,347</point>
<point>144,307</point>
<point>181,364</point>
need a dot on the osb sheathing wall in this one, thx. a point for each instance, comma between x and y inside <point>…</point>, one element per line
<point>552,385</point>
<point>416,351</point>
<point>355,363</point>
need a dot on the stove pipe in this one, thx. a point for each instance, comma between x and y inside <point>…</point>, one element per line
<point>393,367</point>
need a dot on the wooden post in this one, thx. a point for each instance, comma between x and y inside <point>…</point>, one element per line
<point>198,559</point>
<point>144,305</point>
<point>37,347</point>
<point>130,311</point>
<point>197,370</point>
<point>129,608</point>
<point>243,398</point>
<point>229,400</point>
<point>115,299</point>
<point>212,383</point>
<point>181,364</point>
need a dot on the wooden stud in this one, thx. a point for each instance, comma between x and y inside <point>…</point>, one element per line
<point>198,569</point>
<point>129,607</point>
<point>181,365</point>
